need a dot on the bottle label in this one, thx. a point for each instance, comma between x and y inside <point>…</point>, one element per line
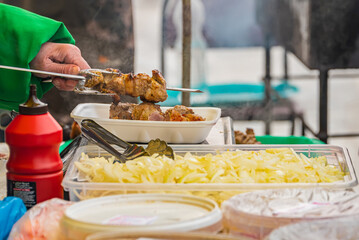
<point>24,190</point>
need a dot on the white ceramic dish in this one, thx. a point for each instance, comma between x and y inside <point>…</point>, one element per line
<point>144,131</point>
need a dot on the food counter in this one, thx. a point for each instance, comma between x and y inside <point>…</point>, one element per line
<point>220,134</point>
<point>337,170</point>
<point>210,184</point>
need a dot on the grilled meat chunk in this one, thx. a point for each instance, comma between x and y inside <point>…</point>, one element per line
<point>147,111</point>
<point>149,89</point>
<point>245,138</point>
<point>182,113</point>
<point>152,112</point>
<point>121,110</point>
<point>156,88</point>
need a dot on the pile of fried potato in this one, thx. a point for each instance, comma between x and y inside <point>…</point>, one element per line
<point>280,165</point>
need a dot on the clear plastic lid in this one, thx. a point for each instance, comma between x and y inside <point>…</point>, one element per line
<point>295,203</point>
<point>343,228</point>
<point>142,212</point>
<point>161,235</point>
<point>257,214</point>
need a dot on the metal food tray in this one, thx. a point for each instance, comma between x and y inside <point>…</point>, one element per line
<point>336,155</point>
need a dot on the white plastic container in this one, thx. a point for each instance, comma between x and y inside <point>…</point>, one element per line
<point>135,213</point>
<point>161,235</point>
<point>80,189</point>
<point>256,214</point>
<point>144,131</point>
<point>4,155</point>
<point>344,228</point>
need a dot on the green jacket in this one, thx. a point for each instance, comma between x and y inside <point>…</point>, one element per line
<point>21,35</point>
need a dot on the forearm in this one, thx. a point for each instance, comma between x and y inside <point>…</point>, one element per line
<point>21,36</point>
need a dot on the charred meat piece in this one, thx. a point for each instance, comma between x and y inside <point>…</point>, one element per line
<point>121,110</point>
<point>149,89</point>
<point>131,111</point>
<point>152,112</point>
<point>116,83</point>
<point>147,111</point>
<point>182,113</point>
<point>156,88</point>
<point>95,81</point>
<point>245,138</point>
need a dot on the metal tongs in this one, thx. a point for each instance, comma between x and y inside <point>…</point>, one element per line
<point>93,132</point>
<point>103,138</point>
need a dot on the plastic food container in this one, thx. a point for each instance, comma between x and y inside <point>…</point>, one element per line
<point>159,236</point>
<point>344,228</point>
<point>80,189</point>
<point>4,155</point>
<point>144,131</point>
<point>136,213</point>
<point>256,214</point>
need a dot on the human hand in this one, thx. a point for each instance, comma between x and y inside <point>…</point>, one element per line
<point>61,58</point>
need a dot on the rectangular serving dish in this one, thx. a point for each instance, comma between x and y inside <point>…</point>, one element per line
<point>144,131</point>
<point>79,189</point>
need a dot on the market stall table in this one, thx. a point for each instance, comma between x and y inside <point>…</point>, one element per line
<point>220,134</point>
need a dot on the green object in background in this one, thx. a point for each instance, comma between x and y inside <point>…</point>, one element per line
<point>229,94</point>
<point>287,140</point>
<point>64,145</point>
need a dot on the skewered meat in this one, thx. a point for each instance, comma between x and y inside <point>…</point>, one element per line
<point>150,89</point>
<point>152,112</point>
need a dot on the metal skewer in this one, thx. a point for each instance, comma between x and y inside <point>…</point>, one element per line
<point>80,77</point>
<point>184,89</point>
<point>86,71</point>
<point>70,76</point>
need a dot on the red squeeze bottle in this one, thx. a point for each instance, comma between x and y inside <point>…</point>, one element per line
<point>34,165</point>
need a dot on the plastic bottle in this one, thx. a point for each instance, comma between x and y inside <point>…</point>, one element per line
<point>34,165</point>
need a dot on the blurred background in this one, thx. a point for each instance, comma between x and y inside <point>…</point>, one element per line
<point>308,50</point>
<point>281,67</point>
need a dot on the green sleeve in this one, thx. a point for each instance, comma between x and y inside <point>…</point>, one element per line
<point>21,35</point>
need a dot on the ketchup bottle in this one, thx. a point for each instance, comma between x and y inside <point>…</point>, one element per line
<point>34,165</point>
